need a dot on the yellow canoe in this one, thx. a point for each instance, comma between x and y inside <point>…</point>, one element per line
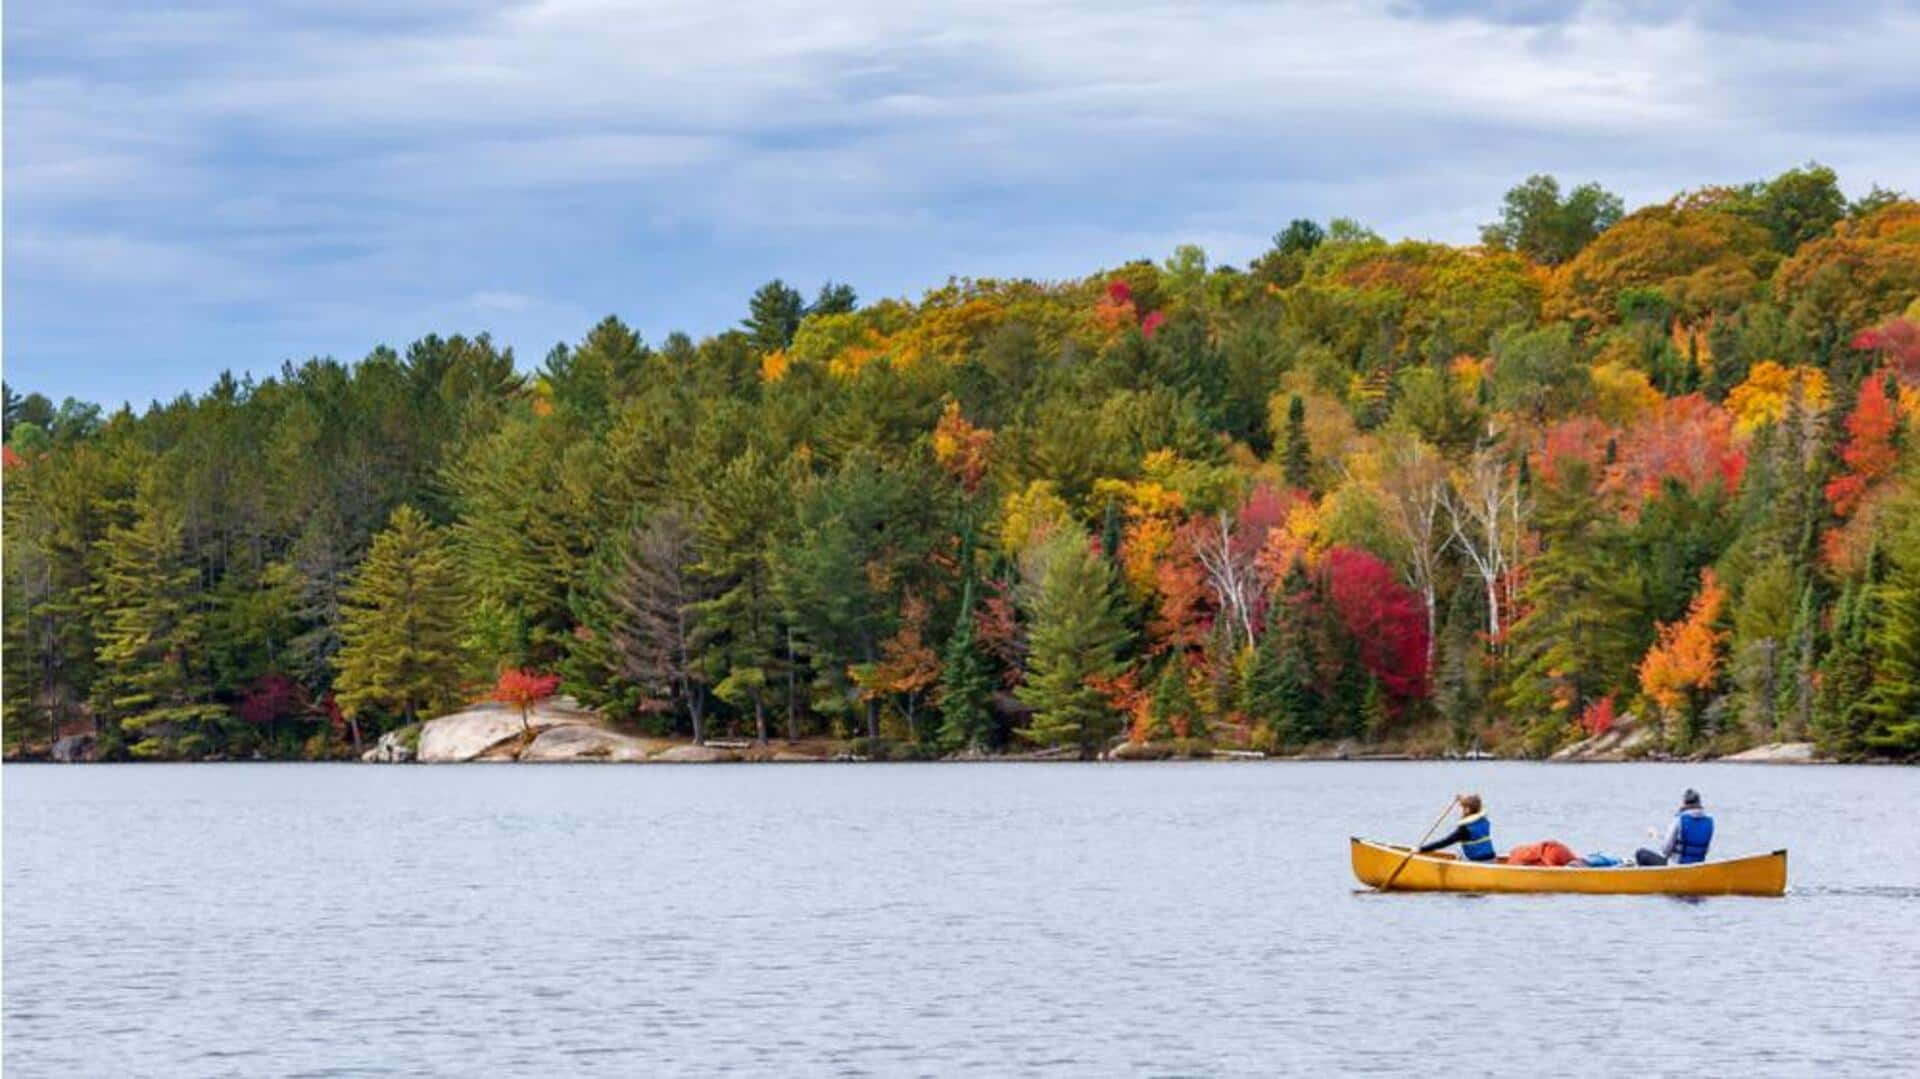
<point>1760,874</point>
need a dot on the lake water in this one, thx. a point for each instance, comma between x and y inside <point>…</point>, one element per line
<point>994,919</point>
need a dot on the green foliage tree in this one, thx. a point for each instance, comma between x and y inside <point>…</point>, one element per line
<point>734,627</point>
<point>1076,635</point>
<point>155,684</point>
<point>966,685</point>
<point>1892,638</point>
<point>1579,639</point>
<point>835,298</point>
<point>400,653</point>
<point>1537,222</point>
<point>773,315</point>
<point>1537,372</point>
<point>1297,465</point>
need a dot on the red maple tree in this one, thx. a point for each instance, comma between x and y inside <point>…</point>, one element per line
<point>1869,452</point>
<point>1898,339</point>
<point>1386,619</point>
<point>523,690</point>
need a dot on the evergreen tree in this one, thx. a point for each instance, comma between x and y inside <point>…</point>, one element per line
<point>154,683</point>
<point>400,653</point>
<point>1892,638</point>
<point>734,628</point>
<point>773,315</point>
<point>966,721</point>
<point>1580,638</point>
<point>1075,639</point>
<point>1172,712</point>
<point>1762,629</point>
<point>1374,717</point>
<point>1282,691</point>
<point>527,513</point>
<point>1460,672</point>
<point>834,299</point>
<point>638,610</point>
<point>1841,719</point>
<point>1298,462</point>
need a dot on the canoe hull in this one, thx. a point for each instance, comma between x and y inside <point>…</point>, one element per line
<point>1760,874</point>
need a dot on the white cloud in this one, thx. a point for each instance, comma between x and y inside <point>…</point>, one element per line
<point>401,160</point>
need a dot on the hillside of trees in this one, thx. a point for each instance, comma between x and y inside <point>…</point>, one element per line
<point>1658,464</point>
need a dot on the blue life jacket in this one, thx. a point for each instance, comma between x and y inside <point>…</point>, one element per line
<point>1479,843</point>
<point>1696,832</point>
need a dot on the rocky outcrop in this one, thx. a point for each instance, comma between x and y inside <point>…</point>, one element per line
<point>694,755</point>
<point>72,749</point>
<point>1626,741</point>
<point>486,728</point>
<point>577,742</point>
<point>394,747</point>
<point>1139,751</point>
<point>1776,753</point>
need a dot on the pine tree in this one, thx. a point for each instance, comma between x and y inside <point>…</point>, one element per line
<point>1374,717</point>
<point>526,521</point>
<point>1581,635</point>
<point>401,653</point>
<point>734,628</point>
<point>1762,628</point>
<point>1075,639</point>
<point>1281,691</point>
<point>154,680</point>
<point>1172,712</point>
<point>1797,695</point>
<point>1841,718</point>
<point>637,650</point>
<point>1459,683</point>
<point>774,314</point>
<point>966,722</point>
<point>1298,459</point>
<point>1892,705</point>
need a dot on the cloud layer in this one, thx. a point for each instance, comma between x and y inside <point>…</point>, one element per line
<point>233,184</point>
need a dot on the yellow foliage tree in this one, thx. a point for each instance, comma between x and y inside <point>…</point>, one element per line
<point>1031,515</point>
<point>1770,387</point>
<point>1622,394</point>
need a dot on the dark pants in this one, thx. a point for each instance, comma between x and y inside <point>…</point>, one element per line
<point>1643,856</point>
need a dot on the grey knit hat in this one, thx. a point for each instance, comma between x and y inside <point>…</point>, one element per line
<point>1690,800</point>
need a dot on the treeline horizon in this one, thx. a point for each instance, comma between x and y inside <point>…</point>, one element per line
<point>1601,465</point>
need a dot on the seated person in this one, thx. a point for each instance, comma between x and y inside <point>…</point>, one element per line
<point>1474,834</point>
<point>1688,837</point>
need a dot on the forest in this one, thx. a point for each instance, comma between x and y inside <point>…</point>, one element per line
<point>1600,468</point>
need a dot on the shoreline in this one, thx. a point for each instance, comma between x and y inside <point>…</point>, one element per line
<point>559,731</point>
<point>1240,759</point>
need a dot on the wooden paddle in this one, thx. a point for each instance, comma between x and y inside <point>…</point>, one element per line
<point>1415,849</point>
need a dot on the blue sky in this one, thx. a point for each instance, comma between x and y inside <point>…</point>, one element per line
<point>192,187</point>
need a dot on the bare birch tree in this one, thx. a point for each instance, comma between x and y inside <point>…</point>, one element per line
<point>1413,480</point>
<point>1486,511</point>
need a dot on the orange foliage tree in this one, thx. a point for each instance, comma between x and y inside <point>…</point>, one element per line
<point>908,667</point>
<point>1866,271</point>
<point>962,449</point>
<point>1685,660</point>
<point>1702,260</point>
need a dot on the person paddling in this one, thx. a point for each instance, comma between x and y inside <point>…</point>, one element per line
<point>1474,834</point>
<point>1687,838</point>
